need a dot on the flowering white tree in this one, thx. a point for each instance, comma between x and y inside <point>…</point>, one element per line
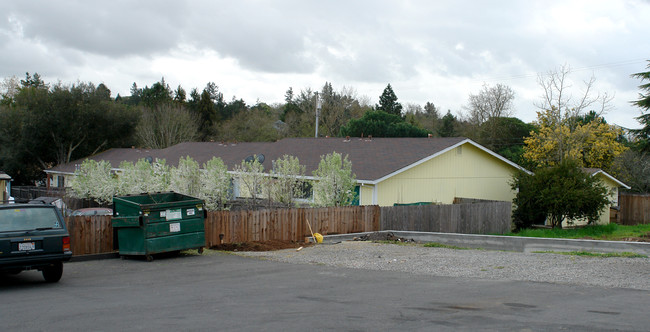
<point>186,178</point>
<point>130,179</point>
<point>94,180</point>
<point>251,178</point>
<point>335,181</point>
<point>215,184</point>
<point>143,177</point>
<point>160,179</point>
<point>287,181</point>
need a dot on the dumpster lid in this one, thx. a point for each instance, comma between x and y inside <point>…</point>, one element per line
<point>160,200</point>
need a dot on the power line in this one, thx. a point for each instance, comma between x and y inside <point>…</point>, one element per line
<point>599,66</point>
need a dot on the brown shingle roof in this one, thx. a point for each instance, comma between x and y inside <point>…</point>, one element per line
<point>371,159</point>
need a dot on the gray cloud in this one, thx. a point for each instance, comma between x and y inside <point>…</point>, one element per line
<point>366,42</point>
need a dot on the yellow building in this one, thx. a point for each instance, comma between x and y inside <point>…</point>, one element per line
<point>5,187</point>
<point>464,169</point>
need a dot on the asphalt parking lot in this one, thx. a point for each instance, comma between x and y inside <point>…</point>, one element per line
<point>221,291</point>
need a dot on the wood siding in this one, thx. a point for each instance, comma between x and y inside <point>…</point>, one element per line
<point>365,195</point>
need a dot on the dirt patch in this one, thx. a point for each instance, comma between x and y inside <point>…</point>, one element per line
<point>260,246</point>
<point>642,238</point>
<point>382,236</point>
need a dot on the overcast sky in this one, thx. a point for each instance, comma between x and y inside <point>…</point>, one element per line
<point>437,51</point>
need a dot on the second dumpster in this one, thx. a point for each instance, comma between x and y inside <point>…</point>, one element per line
<point>148,224</point>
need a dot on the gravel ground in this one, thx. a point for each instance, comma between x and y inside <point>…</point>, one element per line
<point>485,264</point>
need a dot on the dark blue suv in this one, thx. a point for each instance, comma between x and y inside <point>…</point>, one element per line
<point>33,237</point>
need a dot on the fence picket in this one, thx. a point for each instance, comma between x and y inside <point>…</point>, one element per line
<point>634,209</point>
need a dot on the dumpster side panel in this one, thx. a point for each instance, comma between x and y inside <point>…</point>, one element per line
<point>130,240</point>
<point>126,222</point>
<point>175,227</point>
<point>176,242</point>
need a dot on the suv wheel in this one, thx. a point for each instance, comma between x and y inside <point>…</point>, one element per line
<point>54,272</point>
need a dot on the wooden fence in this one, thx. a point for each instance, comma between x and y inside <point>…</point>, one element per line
<point>94,235</point>
<point>31,192</point>
<point>634,209</point>
<point>472,218</point>
<point>90,235</point>
<point>288,224</point>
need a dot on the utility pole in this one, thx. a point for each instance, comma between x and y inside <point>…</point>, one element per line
<point>318,108</point>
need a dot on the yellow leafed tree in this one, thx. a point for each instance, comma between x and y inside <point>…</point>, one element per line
<point>591,144</point>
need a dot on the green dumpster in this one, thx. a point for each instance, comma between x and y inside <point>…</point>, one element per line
<point>148,224</point>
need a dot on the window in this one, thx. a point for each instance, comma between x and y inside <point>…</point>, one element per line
<point>307,190</point>
<point>28,218</point>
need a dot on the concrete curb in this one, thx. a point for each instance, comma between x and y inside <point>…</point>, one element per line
<point>509,243</point>
<point>83,258</point>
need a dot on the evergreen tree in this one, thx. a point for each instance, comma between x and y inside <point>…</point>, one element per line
<point>290,108</point>
<point>448,126</point>
<point>643,102</point>
<point>33,81</point>
<point>381,124</point>
<point>207,115</point>
<point>159,93</point>
<point>388,102</point>
<point>136,95</point>
<point>179,94</point>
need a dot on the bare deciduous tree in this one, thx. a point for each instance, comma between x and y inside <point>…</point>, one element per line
<point>9,87</point>
<point>166,125</point>
<point>490,102</point>
<point>633,168</point>
<point>337,108</point>
<point>557,95</point>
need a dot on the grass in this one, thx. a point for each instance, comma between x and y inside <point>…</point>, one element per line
<point>440,245</point>
<point>610,232</point>
<point>594,254</point>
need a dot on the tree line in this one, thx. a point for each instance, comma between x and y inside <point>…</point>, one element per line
<point>44,125</point>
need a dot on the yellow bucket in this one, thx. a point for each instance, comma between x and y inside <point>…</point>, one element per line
<point>318,237</point>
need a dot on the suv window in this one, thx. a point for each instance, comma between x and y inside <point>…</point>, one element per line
<point>28,219</point>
